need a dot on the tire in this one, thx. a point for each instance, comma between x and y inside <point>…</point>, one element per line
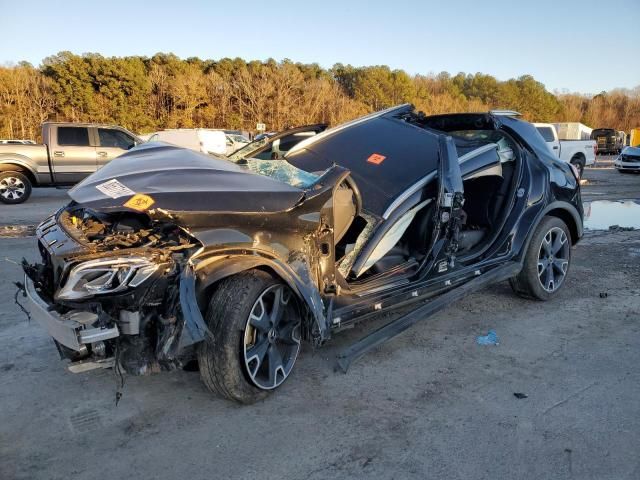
<point>15,187</point>
<point>535,281</point>
<point>578,162</point>
<point>241,317</point>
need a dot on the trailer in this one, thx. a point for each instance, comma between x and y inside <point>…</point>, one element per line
<point>573,131</point>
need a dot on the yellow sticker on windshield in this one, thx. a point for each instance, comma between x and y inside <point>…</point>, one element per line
<point>139,202</point>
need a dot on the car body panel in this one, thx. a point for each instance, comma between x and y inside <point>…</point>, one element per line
<point>384,156</point>
<point>185,183</point>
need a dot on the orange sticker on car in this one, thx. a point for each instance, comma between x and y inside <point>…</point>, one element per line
<point>139,202</point>
<point>376,158</point>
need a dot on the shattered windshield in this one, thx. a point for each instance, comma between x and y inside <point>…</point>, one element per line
<point>282,171</point>
<point>248,148</point>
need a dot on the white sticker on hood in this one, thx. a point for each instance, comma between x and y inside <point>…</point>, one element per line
<point>114,189</point>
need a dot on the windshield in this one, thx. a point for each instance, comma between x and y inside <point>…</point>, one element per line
<point>248,148</point>
<point>282,171</point>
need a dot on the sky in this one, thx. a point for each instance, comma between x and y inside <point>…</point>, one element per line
<point>567,45</point>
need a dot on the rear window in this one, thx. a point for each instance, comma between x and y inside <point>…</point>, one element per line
<point>547,133</point>
<point>73,136</point>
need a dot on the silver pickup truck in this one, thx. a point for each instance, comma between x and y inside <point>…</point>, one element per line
<point>71,152</point>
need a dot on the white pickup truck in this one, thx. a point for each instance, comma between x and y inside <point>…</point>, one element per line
<point>579,153</point>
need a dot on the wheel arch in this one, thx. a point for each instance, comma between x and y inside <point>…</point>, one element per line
<point>580,157</point>
<point>565,212</point>
<point>18,166</point>
<point>210,275</point>
<point>571,219</point>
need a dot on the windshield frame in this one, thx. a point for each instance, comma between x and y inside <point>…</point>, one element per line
<point>248,148</point>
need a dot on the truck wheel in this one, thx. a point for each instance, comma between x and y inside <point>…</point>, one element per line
<point>15,187</point>
<point>546,261</point>
<point>255,323</point>
<point>578,162</point>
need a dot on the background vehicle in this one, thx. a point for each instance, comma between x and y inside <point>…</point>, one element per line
<point>211,142</point>
<point>608,141</point>
<point>17,142</point>
<point>578,153</point>
<point>71,152</point>
<point>573,131</point>
<point>236,264</point>
<point>275,146</point>
<point>628,160</point>
<point>621,139</point>
<point>235,141</point>
<point>634,137</point>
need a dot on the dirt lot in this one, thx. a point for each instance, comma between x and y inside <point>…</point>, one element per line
<point>429,404</point>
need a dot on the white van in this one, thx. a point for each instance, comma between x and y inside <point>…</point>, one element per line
<point>199,139</point>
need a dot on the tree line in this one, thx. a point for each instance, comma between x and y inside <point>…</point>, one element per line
<point>146,94</point>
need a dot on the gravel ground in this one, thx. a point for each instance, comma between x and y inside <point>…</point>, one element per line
<point>429,404</point>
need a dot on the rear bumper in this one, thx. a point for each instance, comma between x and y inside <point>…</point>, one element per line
<point>74,330</point>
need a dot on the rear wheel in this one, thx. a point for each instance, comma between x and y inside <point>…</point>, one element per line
<point>578,162</point>
<point>15,187</point>
<point>255,323</point>
<point>546,261</point>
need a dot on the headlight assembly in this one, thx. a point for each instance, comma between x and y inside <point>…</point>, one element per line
<point>102,276</point>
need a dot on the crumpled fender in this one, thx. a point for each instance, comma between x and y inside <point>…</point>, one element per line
<point>194,327</point>
<point>299,280</point>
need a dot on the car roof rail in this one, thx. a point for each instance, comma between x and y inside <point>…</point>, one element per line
<point>505,113</point>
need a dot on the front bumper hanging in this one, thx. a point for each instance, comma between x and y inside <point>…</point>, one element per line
<point>72,330</point>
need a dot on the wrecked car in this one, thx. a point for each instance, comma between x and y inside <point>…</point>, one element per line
<point>166,255</point>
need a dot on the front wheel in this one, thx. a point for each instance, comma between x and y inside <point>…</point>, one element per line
<point>255,323</point>
<point>546,261</point>
<point>15,187</point>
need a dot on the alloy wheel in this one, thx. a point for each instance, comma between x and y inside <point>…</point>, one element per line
<point>272,337</point>
<point>12,188</point>
<point>553,259</point>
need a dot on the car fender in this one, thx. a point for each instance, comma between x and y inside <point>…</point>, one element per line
<point>299,279</point>
<point>20,161</point>
<point>557,206</point>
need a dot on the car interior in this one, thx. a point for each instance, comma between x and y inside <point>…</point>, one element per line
<point>280,146</point>
<point>369,249</point>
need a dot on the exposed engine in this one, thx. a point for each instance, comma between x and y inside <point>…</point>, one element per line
<point>125,307</point>
<point>123,230</point>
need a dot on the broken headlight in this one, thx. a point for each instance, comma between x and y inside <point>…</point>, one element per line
<point>102,276</point>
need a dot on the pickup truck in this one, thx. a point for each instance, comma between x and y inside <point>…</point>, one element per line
<point>578,153</point>
<point>71,152</point>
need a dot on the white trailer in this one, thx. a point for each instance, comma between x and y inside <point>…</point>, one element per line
<point>573,131</point>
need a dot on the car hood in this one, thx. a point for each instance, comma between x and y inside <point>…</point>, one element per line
<point>157,177</point>
<point>631,151</point>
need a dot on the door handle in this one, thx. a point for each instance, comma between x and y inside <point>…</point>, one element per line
<point>58,154</point>
<point>102,154</point>
<point>555,148</point>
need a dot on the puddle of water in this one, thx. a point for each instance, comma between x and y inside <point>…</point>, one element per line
<point>602,214</point>
<point>14,231</point>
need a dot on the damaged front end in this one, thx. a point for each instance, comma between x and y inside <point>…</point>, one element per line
<point>108,290</point>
